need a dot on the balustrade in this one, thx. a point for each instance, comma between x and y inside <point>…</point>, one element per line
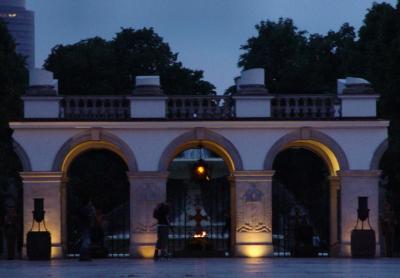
<point>304,107</point>
<point>95,107</point>
<point>199,108</point>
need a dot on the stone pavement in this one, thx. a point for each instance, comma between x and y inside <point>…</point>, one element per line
<point>276,267</point>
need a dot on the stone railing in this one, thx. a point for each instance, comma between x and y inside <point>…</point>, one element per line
<point>305,107</point>
<point>95,107</point>
<point>289,107</point>
<point>200,108</point>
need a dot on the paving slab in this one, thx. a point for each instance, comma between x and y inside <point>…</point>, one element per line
<point>276,267</point>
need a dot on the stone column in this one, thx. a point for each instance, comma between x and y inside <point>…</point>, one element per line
<point>46,185</point>
<point>354,184</point>
<point>252,213</point>
<point>147,190</point>
<point>334,188</point>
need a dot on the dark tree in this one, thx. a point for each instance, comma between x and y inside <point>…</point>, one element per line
<point>379,44</point>
<point>97,66</point>
<point>83,68</point>
<point>13,77</point>
<point>296,62</point>
<point>279,48</point>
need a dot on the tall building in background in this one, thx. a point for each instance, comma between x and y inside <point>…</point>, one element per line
<point>21,24</point>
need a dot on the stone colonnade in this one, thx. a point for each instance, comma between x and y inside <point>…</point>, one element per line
<point>251,203</point>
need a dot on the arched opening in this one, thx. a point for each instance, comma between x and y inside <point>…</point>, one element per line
<point>97,173</point>
<point>198,191</point>
<point>300,202</point>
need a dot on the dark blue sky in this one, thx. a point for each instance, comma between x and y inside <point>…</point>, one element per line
<point>206,33</point>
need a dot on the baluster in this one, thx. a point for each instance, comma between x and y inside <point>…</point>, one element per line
<point>296,108</point>
<point>202,108</point>
<point>311,104</point>
<point>274,108</point>
<point>76,107</point>
<point>313,107</point>
<point>286,111</point>
<point>302,107</point>
<point>218,108</point>
<point>226,111</point>
<point>179,110</point>
<point>174,108</point>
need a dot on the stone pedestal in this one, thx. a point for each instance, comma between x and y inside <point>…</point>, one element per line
<point>148,107</point>
<point>334,196</point>
<point>46,185</point>
<point>252,213</point>
<point>253,106</point>
<point>147,190</point>
<point>41,107</point>
<point>354,184</point>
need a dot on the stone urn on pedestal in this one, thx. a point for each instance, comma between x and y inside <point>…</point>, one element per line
<point>38,243</point>
<point>363,241</point>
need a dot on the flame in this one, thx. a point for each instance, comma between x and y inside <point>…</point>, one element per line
<point>200,170</point>
<point>200,235</point>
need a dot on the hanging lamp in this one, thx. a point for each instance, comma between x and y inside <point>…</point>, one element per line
<point>201,168</point>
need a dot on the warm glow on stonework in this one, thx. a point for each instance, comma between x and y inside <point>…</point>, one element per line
<point>254,251</point>
<point>146,252</point>
<point>89,145</point>
<point>320,149</point>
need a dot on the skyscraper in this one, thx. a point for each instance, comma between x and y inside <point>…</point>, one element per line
<point>21,24</point>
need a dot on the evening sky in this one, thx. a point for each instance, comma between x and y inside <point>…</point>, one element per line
<point>206,33</point>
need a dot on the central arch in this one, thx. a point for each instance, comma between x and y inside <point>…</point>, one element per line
<point>210,140</point>
<point>201,207</point>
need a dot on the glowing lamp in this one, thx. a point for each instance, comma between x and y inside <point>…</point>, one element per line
<point>201,170</point>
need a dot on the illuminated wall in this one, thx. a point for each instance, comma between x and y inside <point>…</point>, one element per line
<point>46,185</point>
<point>147,190</point>
<point>356,184</point>
<point>252,202</point>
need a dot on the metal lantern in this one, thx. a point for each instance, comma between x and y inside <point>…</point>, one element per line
<point>363,241</point>
<point>201,170</point>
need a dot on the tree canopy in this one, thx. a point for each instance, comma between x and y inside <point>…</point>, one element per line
<point>13,80</point>
<point>98,66</point>
<point>379,44</point>
<point>13,77</point>
<point>298,62</point>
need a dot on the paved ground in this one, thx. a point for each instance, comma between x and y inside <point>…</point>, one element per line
<point>204,268</point>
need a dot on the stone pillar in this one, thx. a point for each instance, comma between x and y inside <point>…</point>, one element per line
<point>46,185</point>
<point>148,100</point>
<point>252,213</point>
<point>147,190</point>
<point>252,99</point>
<point>354,184</point>
<point>334,188</point>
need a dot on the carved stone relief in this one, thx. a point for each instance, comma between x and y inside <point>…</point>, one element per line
<point>254,210</point>
<point>146,196</point>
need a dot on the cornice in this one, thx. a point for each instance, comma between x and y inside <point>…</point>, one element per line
<point>162,125</point>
